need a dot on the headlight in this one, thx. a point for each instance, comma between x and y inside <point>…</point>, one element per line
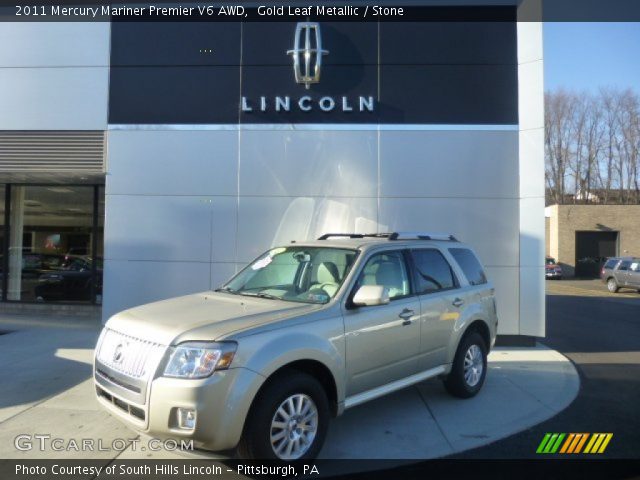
<point>199,360</point>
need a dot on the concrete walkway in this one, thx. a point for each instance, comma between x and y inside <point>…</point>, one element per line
<point>46,388</point>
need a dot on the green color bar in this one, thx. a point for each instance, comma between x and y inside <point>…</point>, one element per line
<point>543,443</point>
<point>550,443</point>
<point>558,442</point>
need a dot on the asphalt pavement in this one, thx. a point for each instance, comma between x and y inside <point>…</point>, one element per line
<point>600,333</point>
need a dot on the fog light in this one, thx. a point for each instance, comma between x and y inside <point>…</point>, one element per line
<point>186,418</point>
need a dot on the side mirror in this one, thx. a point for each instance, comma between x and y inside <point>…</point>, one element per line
<point>371,295</point>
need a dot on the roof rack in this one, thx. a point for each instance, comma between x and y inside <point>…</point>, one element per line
<point>394,236</point>
<point>326,236</point>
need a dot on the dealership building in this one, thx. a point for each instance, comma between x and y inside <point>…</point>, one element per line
<point>145,160</point>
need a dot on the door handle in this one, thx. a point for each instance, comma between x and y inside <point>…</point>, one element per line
<point>458,302</point>
<point>406,315</point>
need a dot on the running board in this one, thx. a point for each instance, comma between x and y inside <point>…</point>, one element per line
<point>363,397</point>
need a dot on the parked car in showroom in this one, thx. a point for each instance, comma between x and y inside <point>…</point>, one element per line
<point>303,333</point>
<point>552,270</point>
<point>621,272</point>
<point>71,282</point>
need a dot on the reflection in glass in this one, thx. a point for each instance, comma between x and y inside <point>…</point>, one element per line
<point>50,251</point>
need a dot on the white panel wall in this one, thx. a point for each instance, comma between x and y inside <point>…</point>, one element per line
<point>267,221</point>
<point>171,214</point>
<point>219,198</point>
<point>54,76</point>
<point>489,225</point>
<point>531,183</point>
<point>309,163</point>
<point>465,164</point>
<point>154,162</point>
<point>54,44</point>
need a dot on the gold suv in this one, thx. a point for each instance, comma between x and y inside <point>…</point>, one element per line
<point>302,333</point>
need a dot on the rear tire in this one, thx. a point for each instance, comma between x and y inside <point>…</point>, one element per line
<point>288,420</point>
<point>469,367</point>
<point>612,285</point>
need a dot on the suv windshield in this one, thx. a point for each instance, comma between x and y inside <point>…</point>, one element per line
<point>296,274</point>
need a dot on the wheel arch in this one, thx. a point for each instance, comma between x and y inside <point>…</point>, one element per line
<point>311,367</point>
<point>315,369</point>
<point>476,325</point>
<point>481,327</point>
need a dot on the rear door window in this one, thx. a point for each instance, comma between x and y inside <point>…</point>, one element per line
<point>469,265</point>
<point>433,272</point>
<point>624,265</point>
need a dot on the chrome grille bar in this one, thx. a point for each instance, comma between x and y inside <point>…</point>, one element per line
<point>131,356</point>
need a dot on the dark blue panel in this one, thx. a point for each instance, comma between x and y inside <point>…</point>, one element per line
<point>449,94</point>
<point>448,43</point>
<point>181,43</point>
<point>446,72</point>
<point>156,95</point>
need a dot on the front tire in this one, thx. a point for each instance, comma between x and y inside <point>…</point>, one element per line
<point>469,367</point>
<point>612,285</point>
<point>288,420</point>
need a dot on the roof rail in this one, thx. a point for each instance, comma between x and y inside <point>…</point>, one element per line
<point>394,236</point>
<point>422,236</point>
<point>326,236</point>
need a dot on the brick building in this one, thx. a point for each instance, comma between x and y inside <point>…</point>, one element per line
<point>580,237</point>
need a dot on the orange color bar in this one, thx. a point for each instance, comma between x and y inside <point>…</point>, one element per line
<point>577,438</point>
<point>579,446</point>
<point>567,442</point>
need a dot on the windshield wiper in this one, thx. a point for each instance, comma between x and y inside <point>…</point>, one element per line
<point>260,295</point>
<point>226,290</point>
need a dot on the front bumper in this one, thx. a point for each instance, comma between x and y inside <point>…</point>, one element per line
<point>221,402</point>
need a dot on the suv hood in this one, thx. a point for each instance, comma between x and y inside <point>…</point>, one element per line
<point>212,314</point>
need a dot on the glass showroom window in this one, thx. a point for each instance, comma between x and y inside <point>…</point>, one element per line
<point>51,247</point>
<point>2,237</point>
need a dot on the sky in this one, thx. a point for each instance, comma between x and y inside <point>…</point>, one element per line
<point>586,56</point>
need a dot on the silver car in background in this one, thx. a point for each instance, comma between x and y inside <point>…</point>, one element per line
<point>621,272</point>
<point>304,332</point>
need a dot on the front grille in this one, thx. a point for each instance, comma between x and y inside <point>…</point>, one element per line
<point>131,356</point>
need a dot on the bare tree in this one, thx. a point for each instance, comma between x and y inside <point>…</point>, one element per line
<point>592,146</point>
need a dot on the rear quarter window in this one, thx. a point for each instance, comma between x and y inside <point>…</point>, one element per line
<point>469,265</point>
<point>611,263</point>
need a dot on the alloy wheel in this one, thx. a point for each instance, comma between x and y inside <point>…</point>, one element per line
<point>473,365</point>
<point>294,427</point>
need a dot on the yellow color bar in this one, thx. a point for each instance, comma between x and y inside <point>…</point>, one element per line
<point>596,445</point>
<point>605,442</point>
<point>594,437</point>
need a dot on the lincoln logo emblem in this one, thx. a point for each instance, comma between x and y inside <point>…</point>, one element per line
<point>307,58</point>
<point>117,354</point>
